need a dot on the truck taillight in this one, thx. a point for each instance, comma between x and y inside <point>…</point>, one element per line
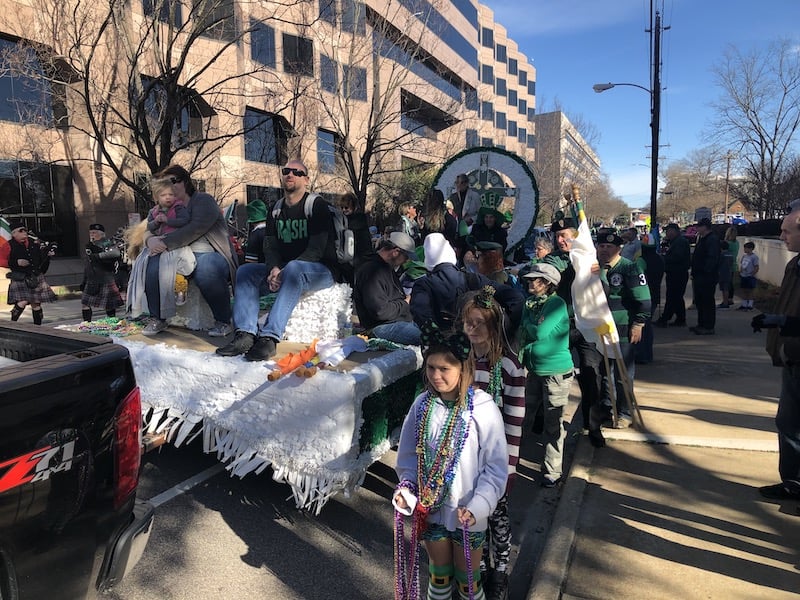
<point>127,447</point>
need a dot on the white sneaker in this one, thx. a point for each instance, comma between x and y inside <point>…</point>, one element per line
<point>220,329</point>
<point>155,327</point>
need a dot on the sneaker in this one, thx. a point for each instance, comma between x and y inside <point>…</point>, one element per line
<point>264,348</point>
<point>242,342</point>
<point>550,483</point>
<point>788,490</point>
<point>155,326</point>
<point>220,329</point>
<point>723,305</point>
<point>623,422</point>
<point>498,586</point>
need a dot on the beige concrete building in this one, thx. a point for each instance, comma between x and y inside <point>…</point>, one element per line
<point>562,158</point>
<point>86,87</point>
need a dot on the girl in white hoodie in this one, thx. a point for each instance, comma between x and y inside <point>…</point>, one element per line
<point>452,462</point>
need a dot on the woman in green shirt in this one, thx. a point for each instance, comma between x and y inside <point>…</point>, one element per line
<point>544,338</point>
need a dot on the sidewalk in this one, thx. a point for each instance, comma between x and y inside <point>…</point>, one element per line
<point>673,511</point>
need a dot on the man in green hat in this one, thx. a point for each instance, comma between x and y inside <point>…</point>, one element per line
<point>257,220</point>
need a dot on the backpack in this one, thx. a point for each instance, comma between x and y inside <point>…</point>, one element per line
<point>344,239</point>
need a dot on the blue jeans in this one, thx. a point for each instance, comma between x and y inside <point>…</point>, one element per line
<point>297,277</point>
<point>400,332</point>
<point>788,422</point>
<point>210,276</point>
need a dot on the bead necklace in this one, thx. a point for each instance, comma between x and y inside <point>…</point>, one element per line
<point>436,467</point>
<point>495,387</point>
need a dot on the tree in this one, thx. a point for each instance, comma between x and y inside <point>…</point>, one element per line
<point>382,94</point>
<point>758,114</point>
<point>145,90</point>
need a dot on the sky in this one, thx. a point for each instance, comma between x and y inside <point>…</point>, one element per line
<point>574,44</point>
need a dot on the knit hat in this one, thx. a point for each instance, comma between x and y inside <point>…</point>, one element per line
<point>97,227</point>
<point>15,224</point>
<point>545,271</point>
<point>438,251</point>
<point>256,211</point>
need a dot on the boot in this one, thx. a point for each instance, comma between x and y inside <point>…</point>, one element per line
<point>16,312</point>
<point>86,313</point>
<point>38,315</point>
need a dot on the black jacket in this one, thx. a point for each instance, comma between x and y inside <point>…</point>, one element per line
<point>377,295</point>
<point>439,295</point>
<point>705,260</point>
<point>678,256</point>
<point>33,253</point>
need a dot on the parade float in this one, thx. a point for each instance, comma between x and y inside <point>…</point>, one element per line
<point>332,402</point>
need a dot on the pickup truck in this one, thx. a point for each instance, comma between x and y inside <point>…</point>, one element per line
<point>70,453</point>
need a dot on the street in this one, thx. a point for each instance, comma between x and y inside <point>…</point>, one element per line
<point>243,538</point>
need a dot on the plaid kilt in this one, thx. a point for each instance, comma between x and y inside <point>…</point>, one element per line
<point>19,291</point>
<point>108,298</point>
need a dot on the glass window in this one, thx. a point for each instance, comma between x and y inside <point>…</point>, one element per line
<point>329,74</point>
<point>531,115</point>
<point>326,151</point>
<point>512,128</point>
<point>523,78</point>
<point>354,82</point>
<point>487,142</point>
<point>169,11</point>
<point>512,97</point>
<point>298,55</point>
<point>472,138</point>
<point>487,74</point>
<point>512,66</point>
<point>523,107</point>
<point>186,115</point>
<point>500,120</point>
<point>262,43</point>
<point>41,196</point>
<point>531,141</point>
<point>487,111</point>
<point>354,17</point>
<point>24,98</point>
<point>327,11</point>
<point>268,195</point>
<point>522,135</point>
<point>265,137</point>
<point>487,37</point>
<point>471,98</point>
<point>215,19</point>
<point>531,88</point>
<point>500,86</point>
<point>500,53</point>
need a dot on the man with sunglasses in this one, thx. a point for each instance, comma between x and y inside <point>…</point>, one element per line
<point>300,256</point>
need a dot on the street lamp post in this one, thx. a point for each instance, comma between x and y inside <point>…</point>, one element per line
<point>655,118</point>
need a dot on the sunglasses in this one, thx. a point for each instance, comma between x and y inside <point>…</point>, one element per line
<point>173,180</point>
<point>295,172</point>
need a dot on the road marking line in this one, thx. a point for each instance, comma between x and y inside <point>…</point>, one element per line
<point>185,486</point>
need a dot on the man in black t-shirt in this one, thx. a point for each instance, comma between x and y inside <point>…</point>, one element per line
<point>300,256</point>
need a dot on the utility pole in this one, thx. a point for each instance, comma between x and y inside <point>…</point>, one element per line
<point>655,123</point>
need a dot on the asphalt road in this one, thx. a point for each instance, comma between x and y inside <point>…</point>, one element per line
<point>243,538</point>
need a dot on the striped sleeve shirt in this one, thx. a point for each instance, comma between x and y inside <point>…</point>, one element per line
<point>513,407</point>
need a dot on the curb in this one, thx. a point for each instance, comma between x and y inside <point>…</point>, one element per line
<point>551,571</point>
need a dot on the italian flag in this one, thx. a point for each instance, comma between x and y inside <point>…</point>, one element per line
<point>5,236</point>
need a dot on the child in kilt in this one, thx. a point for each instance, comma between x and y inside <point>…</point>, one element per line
<point>28,261</point>
<point>99,287</point>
